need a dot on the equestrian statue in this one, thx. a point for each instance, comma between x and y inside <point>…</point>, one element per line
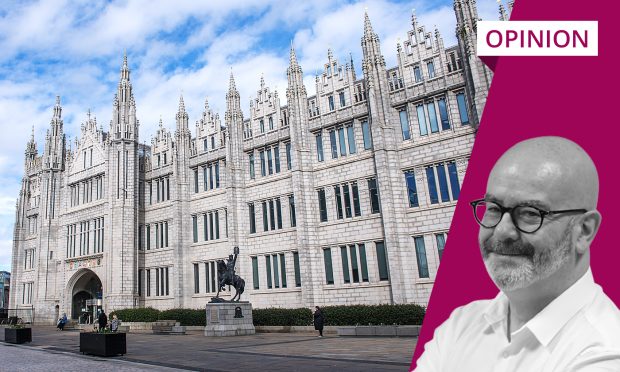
<point>226,276</point>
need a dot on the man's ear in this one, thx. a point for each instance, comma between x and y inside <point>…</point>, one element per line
<point>587,226</point>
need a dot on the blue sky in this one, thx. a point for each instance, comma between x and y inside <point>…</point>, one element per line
<point>74,49</point>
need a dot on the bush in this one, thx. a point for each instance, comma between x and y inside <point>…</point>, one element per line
<point>147,314</point>
<point>373,315</point>
<point>282,317</point>
<point>342,315</point>
<point>187,317</point>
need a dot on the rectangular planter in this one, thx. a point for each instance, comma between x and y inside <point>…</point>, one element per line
<point>103,344</point>
<point>17,335</point>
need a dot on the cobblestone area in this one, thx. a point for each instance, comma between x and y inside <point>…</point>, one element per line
<point>59,351</point>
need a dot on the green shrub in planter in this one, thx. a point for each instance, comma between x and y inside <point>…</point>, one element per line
<point>187,317</point>
<point>147,314</point>
<point>282,317</point>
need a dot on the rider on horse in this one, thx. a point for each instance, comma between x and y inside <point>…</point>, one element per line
<point>229,274</point>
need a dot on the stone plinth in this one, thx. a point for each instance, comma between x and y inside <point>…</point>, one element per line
<point>229,319</point>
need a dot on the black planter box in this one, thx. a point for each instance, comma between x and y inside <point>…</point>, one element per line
<point>17,335</point>
<point>103,344</point>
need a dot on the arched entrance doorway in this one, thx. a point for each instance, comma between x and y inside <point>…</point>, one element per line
<point>86,297</point>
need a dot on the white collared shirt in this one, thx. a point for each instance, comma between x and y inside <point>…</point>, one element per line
<point>579,331</point>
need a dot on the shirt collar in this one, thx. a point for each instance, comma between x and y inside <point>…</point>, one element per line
<point>548,322</point>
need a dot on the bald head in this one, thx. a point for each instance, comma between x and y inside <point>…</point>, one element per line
<point>552,167</point>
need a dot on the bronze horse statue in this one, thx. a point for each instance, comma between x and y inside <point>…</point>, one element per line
<point>223,279</point>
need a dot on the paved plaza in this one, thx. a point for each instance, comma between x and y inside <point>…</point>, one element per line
<point>53,350</point>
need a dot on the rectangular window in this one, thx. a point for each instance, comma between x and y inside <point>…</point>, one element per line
<point>382,261</point>
<point>460,100</point>
<point>412,191</point>
<point>297,270</point>
<point>441,242</point>
<point>356,199</point>
<point>269,161</point>
<point>329,272</point>
<point>205,178</point>
<point>345,264</point>
<point>291,209</point>
<point>157,282</point>
<point>140,275</point>
<point>347,200</point>
<point>211,234</point>
<point>262,125</point>
<point>432,186</point>
<point>432,116</point>
<point>272,215</point>
<point>268,268</point>
<point>283,270</point>
<point>210,177</point>
<point>431,69</point>
<point>351,139</point>
<point>276,274</point>
<point>420,252</point>
<point>443,114</point>
<point>443,183</point>
<point>338,202</point>
<point>276,155</point>
<point>404,124</point>
<point>342,101</point>
<point>196,279</point>
<point>251,160</point>
<point>333,144</point>
<point>279,212</point>
<point>255,272</point>
<point>167,283</point>
<point>355,271</point>
<point>417,74</point>
<point>148,237</point>
<point>195,180</point>
<point>366,135</point>
<point>454,180</point>
<point>263,170</point>
<point>217,174</point>
<point>330,99</point>
<point>289,160</point>
<point>217,224</point>
<point>319,147</point>
<point>148,283</point>
<point>195,228</point>
<point>343,145</point>
<point>270,119</point>
<point>252,218</point>
<point>265,220</point>
<point>213,288</point>
<point>374,196</point>
<point>363,262</point>
<point>205,227</point>
<point>421,120</point>
<point>322,205</point>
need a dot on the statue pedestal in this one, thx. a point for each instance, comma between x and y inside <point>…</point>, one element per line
<point>229,319</point>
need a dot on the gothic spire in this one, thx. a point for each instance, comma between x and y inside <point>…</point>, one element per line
<point>181,104</point>
<point>502,11</point>
<point>293,56</point>
<point>368,31</point>
<point>57,109</point>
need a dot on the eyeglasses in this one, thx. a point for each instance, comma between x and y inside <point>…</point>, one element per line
<point>526,218</point>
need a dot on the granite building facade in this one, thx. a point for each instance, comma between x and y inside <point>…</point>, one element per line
<point>341,197</point>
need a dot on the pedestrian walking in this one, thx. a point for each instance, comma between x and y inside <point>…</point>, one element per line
<point>114,323</point>
<point>319,320</point>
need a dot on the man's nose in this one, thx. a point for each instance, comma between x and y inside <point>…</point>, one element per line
<point>506,229</point>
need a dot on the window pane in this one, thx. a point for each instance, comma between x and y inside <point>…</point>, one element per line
<point>338,202</point>
<point>420,251</point>
<point>443,183</point>
<point>363,262</point>
<point>263,171</point>
<point>351,140</point>
<point>276,274</point>
<point>347,200</point>
<point>345,264</point>
<point>432,186</point>
<point>268,268</point>
<point>252,219</point>
<point>265,220</point>
<point>422,120</point>
<point>319,147</point>
<point>356,199</point>
<point>454,180</point>
<point>354,266</point>
<point>329,273</point>
<point>443,113</point>
<point>412,191</point>
<point>283,269</point>
<point>404,124</point>
<point>374,195</point>
<point>382,261</point>
<point>460,99</point>
<point>276,153</point>
<point>322,205</point>
<point>334,145</point>
<point>279,212</point>
<point>366,135</point>
<point>343,145</point>
<point>196,279</point>
<point>432,116</point>
<point>272,215</point>
<point>297,271</point>
<point>289,160</point>
<point>269,161</point>
<point>291,206</point>
<point>195,224</point>
<point>441,242</point>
